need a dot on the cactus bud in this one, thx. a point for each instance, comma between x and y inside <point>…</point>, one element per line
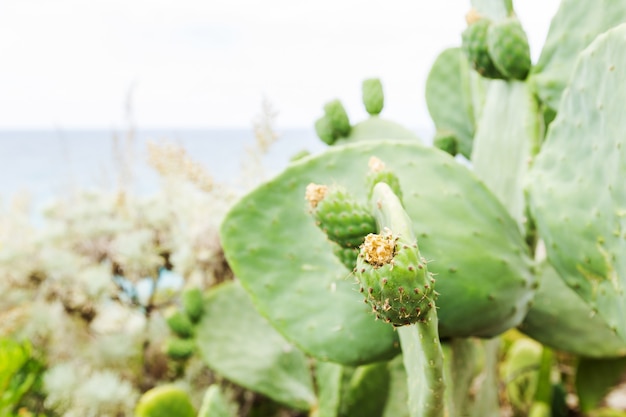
<point>337,119</point>
<point>373,97</point>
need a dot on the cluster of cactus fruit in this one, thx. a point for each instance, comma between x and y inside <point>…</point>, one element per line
<point>528,236</point>
<point>181,322</point>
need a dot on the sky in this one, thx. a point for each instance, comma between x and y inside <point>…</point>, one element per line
<point>210,63</point>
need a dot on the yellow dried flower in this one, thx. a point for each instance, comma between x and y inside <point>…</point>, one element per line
<point>315,193</point>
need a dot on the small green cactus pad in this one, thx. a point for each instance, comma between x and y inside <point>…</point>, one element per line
<point>324,130</point>
<point>193,303</point>
<point>449,97</point>
<point>476,49</point>
<point>215,404</point>
<point>337,118</point>
<point>179,322</point>
<point>328,379</point>
<point>576,185</point>
<point>373,97</point>
<point>447,142</point>
<point>179,349</point>
<point>510,129</point>
<point>287,264</point>
<point>556,306</point>
<point>236,342</point>
<point>341,216</point>
<point>399,288</point>
<point>376,128</point>
<point>575,25</point>
<point>509,49</point>
<point>165,401</point>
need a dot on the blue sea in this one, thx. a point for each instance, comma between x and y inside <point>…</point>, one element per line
<point>49,163</point>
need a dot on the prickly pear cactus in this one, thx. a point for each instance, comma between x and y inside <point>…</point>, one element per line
<point>334,124</point>
<point>575,25</point>
<point>193,304</point>
<point>179,322</point>
<point>454,98</point>
<point>476,48</point>
<point>288,266</point>
<point>576,185</point>
<point>557,306</point>
<point>508,48</point>
<point>373,97</point>
<point>180,349</point>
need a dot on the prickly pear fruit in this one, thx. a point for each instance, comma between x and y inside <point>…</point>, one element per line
<point>475,47</point>
<point>324,130</point>
<point>508,47</point>
<point>177,348</point>
<point>447,142</point>
<point>395,279</point>
<point>165,401</point>
<point>193,304</point>
<point>343,219</point>
<point>373,97</point>
<point>179,323</point>
<point>378,172</point>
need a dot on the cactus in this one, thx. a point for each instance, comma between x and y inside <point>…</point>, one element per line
<point>165,401</point>
<point>508,48</point>
<point>235,341</point>
<point>581,169</point>
<point>373,97</point>
<point>575,25</point>
<point>297,282</point>
<point>476,48</point>
<point>453,97</point>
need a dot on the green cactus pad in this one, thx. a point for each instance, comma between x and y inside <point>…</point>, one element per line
<point>367,391</point>
<point>575,25</point>
<point>451,87</point>
<point>378,172</point>
<point>236,342</point>
<point>447,142</point>
<point>509,49</point>
<point>343,218</point>
<point>180,349</point>
<point>287,264</point>
<point>556,306</point>
<point>165,401</point>
<point>324,130</point>
<point>510,129</point>
<point>576,186</point>
<point>193,304</point>
<point>376,128</point>
<point>179,323</point>
<point>476,49</point>
<point>373,97</point>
